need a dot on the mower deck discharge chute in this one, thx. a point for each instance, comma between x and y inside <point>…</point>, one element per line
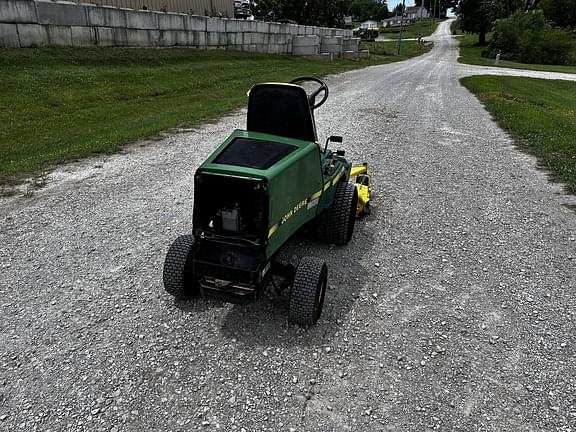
<point>254,192</point>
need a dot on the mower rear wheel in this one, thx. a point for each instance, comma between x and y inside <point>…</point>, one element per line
<point>308,291</point>
<point>178,278</point>
<point>336,224</point>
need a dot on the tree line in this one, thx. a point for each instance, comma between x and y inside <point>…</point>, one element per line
<point>331,13</point>
<point>529,31</point>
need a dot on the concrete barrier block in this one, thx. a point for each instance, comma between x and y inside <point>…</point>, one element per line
<point>106,17</point>
<point>364,54</point>
<point>311,40</point>
<point>104,36</point>
<point>59,35</point>
<point>141,20</point>
<point>18,11</point>
<point>310,30</point>
<point>222,39</point>
<point>260,38</point>
<point>306,50</point>
<point>120,37</point>
<point>200,39</point>
<point>274,27</point>
<point>233,25</point>
<point>9,36</point>
<point>171,21</point>
<point>350,44</point>
<point>83,36</point>
<point>350,55</point>
<point>142,38</point>
<point>250,26</point>
<point>235,39</point>
<point>167,38</point>
<point>279,38</point>
<point>262,27</point>
<point>331,49</point>
<point>32,35</point>
<point>331,40</point>
<point>277,49</point>
<point>196,23</point>
<point>284,29</point>
<point>61,13</point>
<point>212,39</point>
<point>249,47</point>
<point>301,30</point>
<point>184,38</point>
<point>261,48</point>
<point>215,25</point>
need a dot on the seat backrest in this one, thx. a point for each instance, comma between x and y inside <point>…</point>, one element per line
<point>281,109</point>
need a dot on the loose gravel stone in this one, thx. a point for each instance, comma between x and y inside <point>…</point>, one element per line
<point>457,213</point>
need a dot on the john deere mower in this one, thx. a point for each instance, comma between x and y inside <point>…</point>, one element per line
<point>255,191</point>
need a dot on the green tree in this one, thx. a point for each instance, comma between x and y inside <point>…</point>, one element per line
<point>561,12</point>
<point>476,16</point>
<point>437,7</point>
<point>363,10</point>
<point>527,37</point>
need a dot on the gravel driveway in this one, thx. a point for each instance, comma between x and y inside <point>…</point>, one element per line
<point>451,309</point>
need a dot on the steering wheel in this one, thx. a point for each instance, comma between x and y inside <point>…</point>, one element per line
<point>312,97</point>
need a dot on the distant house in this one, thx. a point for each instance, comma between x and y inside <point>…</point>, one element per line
<point>416,12</point>
<point>369,24</point>
<point>392,21</point>
<point>395,21</point>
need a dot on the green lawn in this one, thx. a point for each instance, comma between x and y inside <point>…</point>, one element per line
<point>471,53</point>
<point>58,104</point>
<point>387,49</point>
<point>424,28</point>
<point>541,114</point>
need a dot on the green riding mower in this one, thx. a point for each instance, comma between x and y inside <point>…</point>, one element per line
<point>257,189</point>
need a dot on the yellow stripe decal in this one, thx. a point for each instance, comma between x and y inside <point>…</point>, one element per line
<point>326,186</point>
<point>272,230</point>
<point>316,195</point>
<point>296,208</point>
<point>337,178</point>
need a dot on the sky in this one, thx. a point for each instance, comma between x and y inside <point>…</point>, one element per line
<point>392,4</point>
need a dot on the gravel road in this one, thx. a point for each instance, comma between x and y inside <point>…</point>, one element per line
<point>451,309</point>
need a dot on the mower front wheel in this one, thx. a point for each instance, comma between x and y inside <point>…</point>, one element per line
<point>177,276</point>
<point>308,291</point>
<point>336,224</point>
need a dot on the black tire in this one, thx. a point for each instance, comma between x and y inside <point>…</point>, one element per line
<point>336,224</point>
<point>308,291</point>
<point>177,276</point>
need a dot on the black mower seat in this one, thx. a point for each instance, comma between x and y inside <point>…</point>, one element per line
<point>281,109</point>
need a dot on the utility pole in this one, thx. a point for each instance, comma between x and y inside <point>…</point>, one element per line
<point>401,24</point>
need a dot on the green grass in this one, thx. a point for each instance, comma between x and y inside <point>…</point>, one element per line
<point>471,53</point>
<point>58,104</point>
<point>424,28</point>
<point>541,114</point>
<point>387,49</point>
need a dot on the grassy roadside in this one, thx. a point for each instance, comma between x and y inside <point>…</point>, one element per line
<point>422,28</point>
<point>58,104</point>
<point>470,53</point>
<point>540,114</point>
<point>387,49</point>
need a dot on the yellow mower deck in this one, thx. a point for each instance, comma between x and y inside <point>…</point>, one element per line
<point>363,186</point>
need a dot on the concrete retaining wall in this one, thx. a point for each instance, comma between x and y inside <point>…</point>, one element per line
<point>33,23</point>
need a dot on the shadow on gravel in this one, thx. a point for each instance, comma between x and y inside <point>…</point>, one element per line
<point>265,322</point>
